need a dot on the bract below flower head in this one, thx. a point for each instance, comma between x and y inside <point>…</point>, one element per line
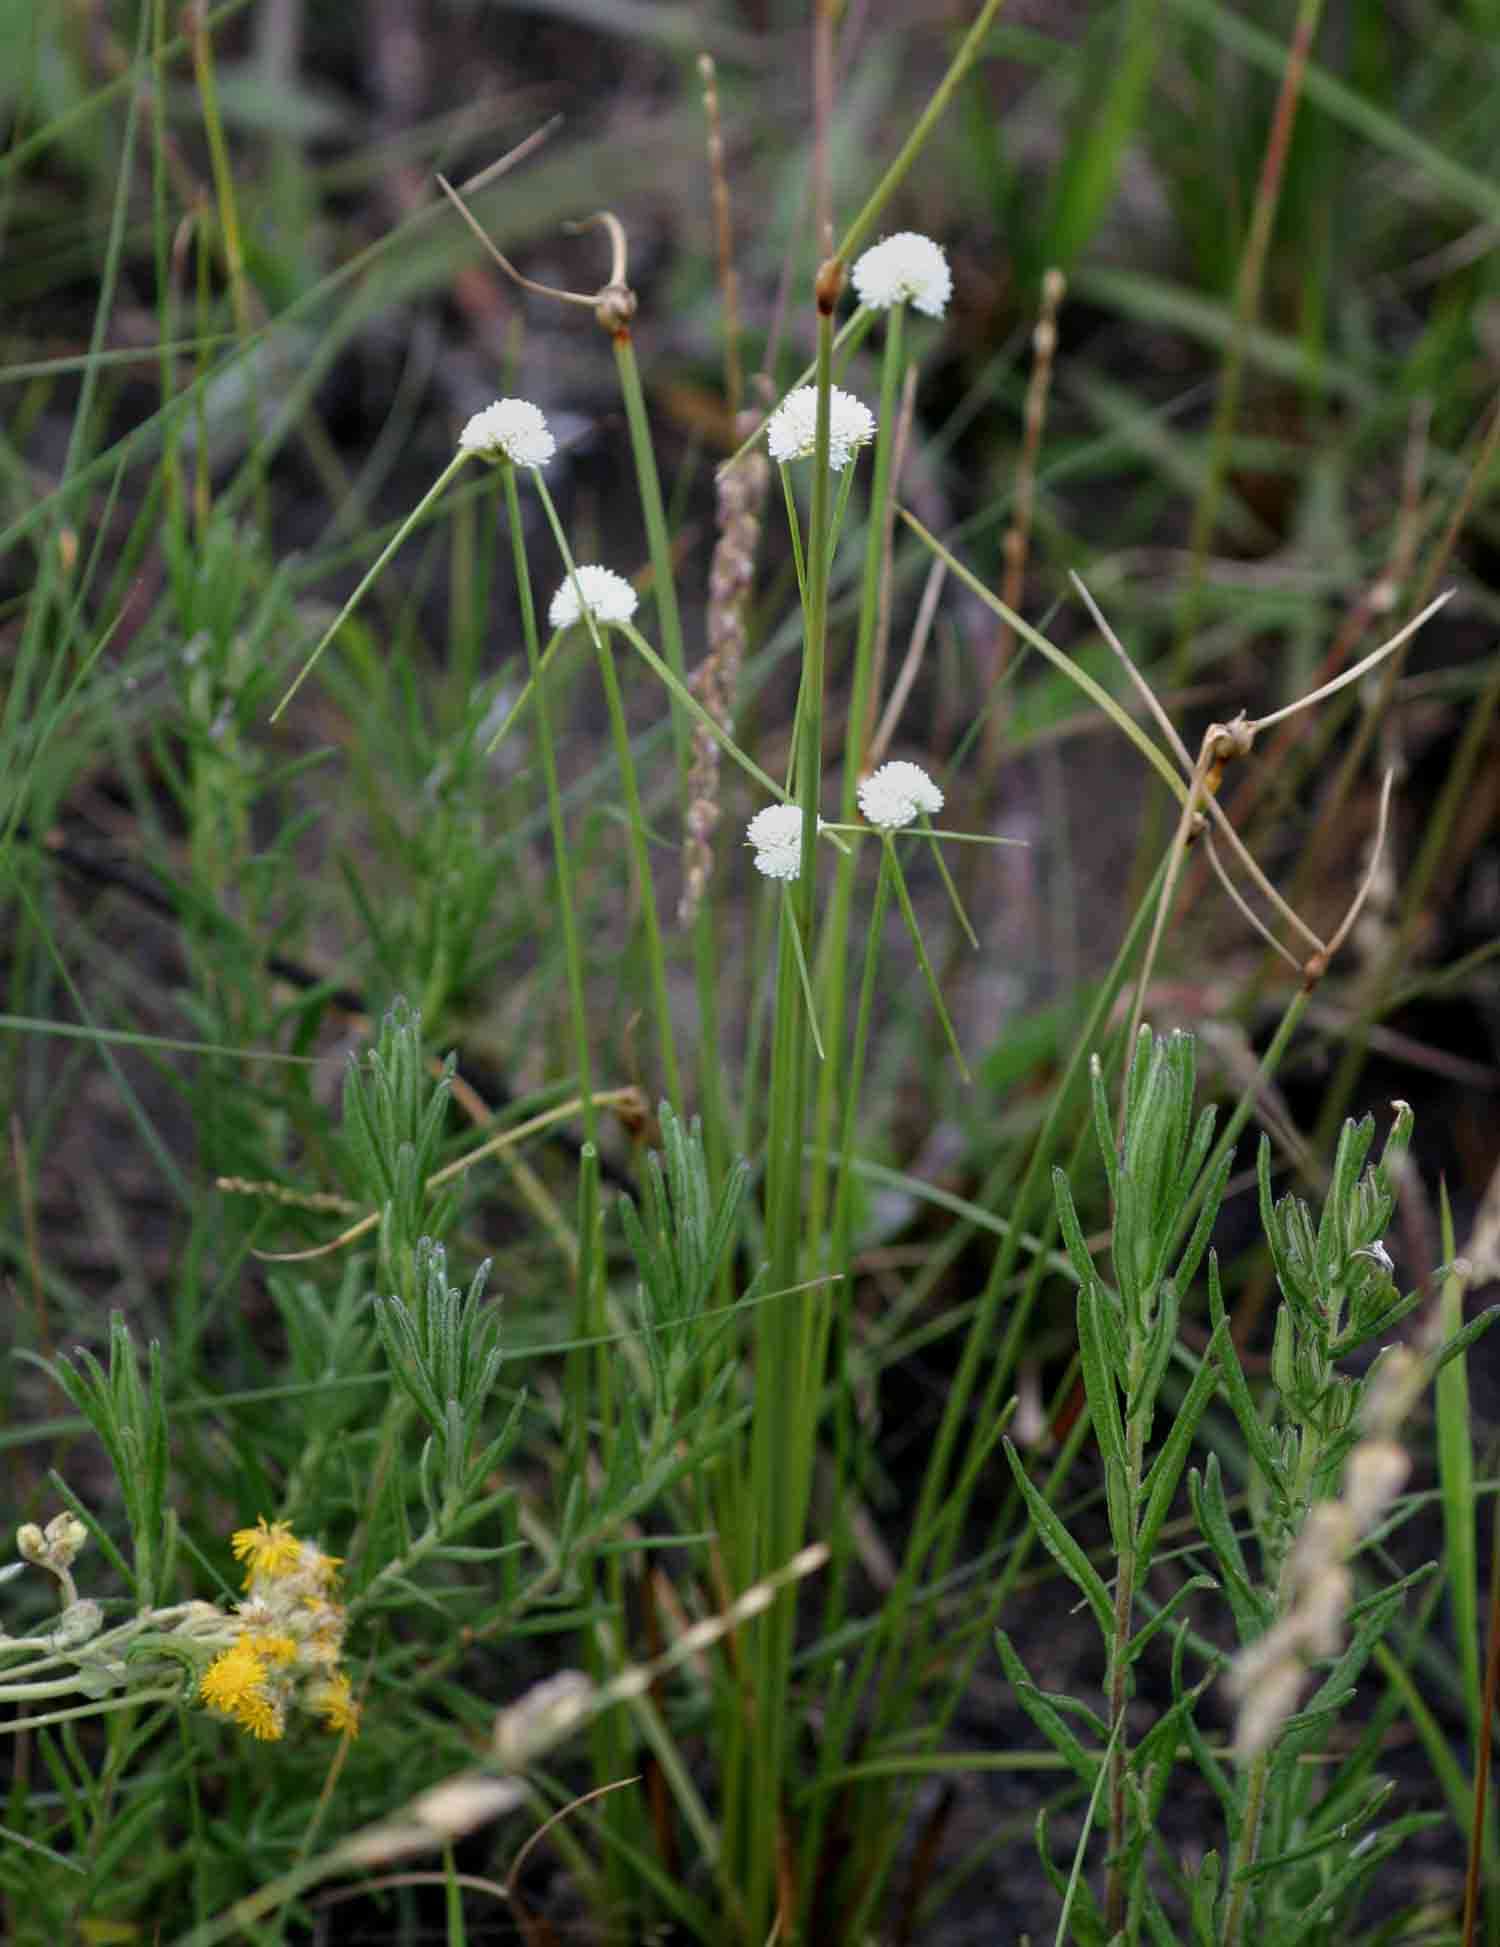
<point>510,429</point>
<point>792,428</point>
<point>776,834</point>
<point>894,795</point>
<point>904,269</point>
<point>607,596</point>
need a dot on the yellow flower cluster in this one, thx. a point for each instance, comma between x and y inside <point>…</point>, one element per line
<point>289,1635</point>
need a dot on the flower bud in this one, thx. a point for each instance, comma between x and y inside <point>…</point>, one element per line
<point>65,1536</point>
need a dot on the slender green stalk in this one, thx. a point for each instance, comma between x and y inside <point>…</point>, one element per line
<point>655,958</point>
<point>840,1258</point>
<point>711,1095</point>
<point>908,913</point>
<point>690,703</point>
<point>785,1413</point>
<point>1127,1568</point>
<point>1455,1458</point>
<point>663,582</point>
<point>1246,1848</point>
<point>843,1209</point>
<point>372,573</point>
<point>833,955</point>
<point>921,129</point>
<point>562,862</point>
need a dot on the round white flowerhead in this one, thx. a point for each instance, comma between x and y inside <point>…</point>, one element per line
<point>904,269</point>
<point>510,429</point>
<point>893,796</point>
<point>607,596</point>
<point>776,834</point>
<point>791,429</point>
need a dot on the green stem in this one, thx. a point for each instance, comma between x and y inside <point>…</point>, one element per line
<point>786,1399</point>
<point>663,585</point>
<point>843,1242</point>
<point>655,958</point>
<point>833,957</point>
<point>860,228</point>
<point>690,703</point>
<point>710,1079</point>
<point>1116,1890</point>
<point>431,495</point>
<point>909,915</point>
<point>567,913</point>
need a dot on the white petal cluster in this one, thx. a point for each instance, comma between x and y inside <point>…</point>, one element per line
<point>510,429</point>
<point>905,269</point>
<point>607,596</point>
<point>893,796</point>
<point>791,430</point>
<point>776,834</point>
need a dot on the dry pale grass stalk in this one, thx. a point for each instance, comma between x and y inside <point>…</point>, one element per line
<point>1017,542</point>
<point>729,287</point>
<point>1226,743</point>
<point>741,496</point>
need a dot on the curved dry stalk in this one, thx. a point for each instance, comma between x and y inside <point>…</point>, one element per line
<point>1247,913</point>
<point>1356,905</point>
<point>1148,695</point>
<point>1365,664</point>
<point>618,248</point>
<point>1223,742</point>
<point>512,1878</point>
<point>613,304</point>
<point>1220,742</point>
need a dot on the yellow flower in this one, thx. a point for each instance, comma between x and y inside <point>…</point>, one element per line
<point>333,1699</point>
<point>270,1550</point>
<point>235,1685</point>
<point>271,1646</point>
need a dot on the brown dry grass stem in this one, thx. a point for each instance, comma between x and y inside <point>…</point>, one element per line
<point>1016,545</point>
<point>729,283</point>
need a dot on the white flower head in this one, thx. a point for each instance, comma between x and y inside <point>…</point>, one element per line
<point>776,834</point>
<point>893,796</point>
<point>607,596</point>
<point>904,269</point>
<point>510,429</point>
<point>792,427</point>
